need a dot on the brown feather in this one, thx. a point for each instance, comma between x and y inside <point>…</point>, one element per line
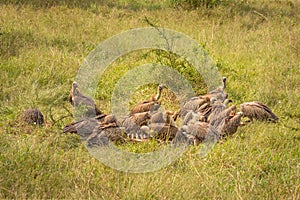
<point>83,127</point>
<point>102,136</point>
<point>230,124</point>
<point>193,104</point>
<point>145,107</point>
<point>163,131</point>
<point>133,122</point>
<point>77,99</point>
<point>259,111</point>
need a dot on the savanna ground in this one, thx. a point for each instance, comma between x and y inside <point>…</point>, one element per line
<point>256,44</point>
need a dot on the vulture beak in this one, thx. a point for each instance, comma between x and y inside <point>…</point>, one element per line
<point>75,84</point>
<point>162,87</point>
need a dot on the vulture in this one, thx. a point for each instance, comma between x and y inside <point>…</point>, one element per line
<point>158,117</point>
<point>171,117</point>
<point>145,107</point>
<point>160,131</point>
<point>167,117</point>
<point>106,124</point>
<point>216,109</point>
<point>77,99</point>
<point>230,124</point>
<point>97,139</point>
<point>259,111</point>
<point>157,96</point>
<point>230,111</point>
<point>102,136</point>
<point>183,138</point>
<point>32,116</point>
<point>193,104</point>
<point>132,123</point>
<point>138,118</point>
<point>199,130</point>
<point>151,104</point>
<point>220,89</point>
<point>202,131</point>
<point>192,116</point>
<point>219,93</point>
<point>107,119</point>
<point>205,111</point>
<point>83,127</point>
<point>161,126</point>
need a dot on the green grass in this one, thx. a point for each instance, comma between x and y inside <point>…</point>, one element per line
<point>42,45</point>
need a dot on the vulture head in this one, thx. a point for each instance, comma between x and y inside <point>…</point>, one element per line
<point>161,87</point>
<point>213,100</point>
<point>74,87</point>
<point>159,90</point>
<point>227,101</point>
<point>224,82</point>
<point>240,113</point>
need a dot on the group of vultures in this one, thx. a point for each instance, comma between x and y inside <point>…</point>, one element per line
<point>201,116</point>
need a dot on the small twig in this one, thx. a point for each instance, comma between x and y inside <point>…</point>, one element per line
<point>66,109</point>
<point>160,32</point>
<point>53,121</point>
<point>261,15</point>
<point>61,118</point>
<point>51,116</point>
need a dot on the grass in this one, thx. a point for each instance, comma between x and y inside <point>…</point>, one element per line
<point>254,43</point>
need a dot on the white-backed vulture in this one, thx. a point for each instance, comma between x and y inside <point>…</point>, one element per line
<point>193,104</point>
<point>220,89</point>
<point>217,108</point>
<point>160,131</point>
<point>219,93</point>
<point>167,117</point>
<point>80,101</point>
<point>205,111</point>
<point>192,117</point>
<point>32,116</point>
<point>259,111</point>
<point>132,123</point>
<point>157,96</point>
<point>82,127</point>
<point>151,104</point>
<point>230,124</point>
<point>102,135</point>
<point>230,111</point>
<point>145,107</point>
<point>202,131</point>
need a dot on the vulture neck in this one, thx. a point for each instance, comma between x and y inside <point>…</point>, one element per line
<point>236,119</point>
<point>224,84</point>
<point>226,102</point>
<point>157,96</point>
<point>75,91</point>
